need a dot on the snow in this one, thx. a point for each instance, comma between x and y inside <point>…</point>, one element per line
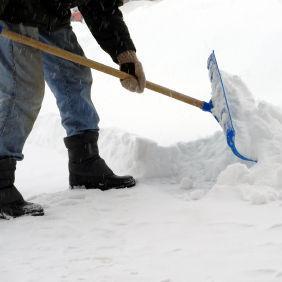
<point>142,234</point>
<point>198,213</point>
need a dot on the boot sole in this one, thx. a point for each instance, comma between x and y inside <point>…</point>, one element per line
<point>6,216</point>
<point>29,209</point>
<point>102,187</point>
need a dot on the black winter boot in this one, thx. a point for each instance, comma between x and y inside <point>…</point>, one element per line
<point>12,203</point>
<point>87,169</point>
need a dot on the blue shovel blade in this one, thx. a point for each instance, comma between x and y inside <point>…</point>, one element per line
<point>223,115</point>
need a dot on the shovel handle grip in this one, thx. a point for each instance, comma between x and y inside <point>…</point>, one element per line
<point>61,53</point>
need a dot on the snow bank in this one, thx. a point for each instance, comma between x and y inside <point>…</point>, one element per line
<point>202,164</point>
<point>144,158</point>
<point>194,165</point>
<point>249,124</point>
<point>259,136</point>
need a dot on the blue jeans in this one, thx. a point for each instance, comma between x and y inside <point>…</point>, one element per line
<point>22,74</point>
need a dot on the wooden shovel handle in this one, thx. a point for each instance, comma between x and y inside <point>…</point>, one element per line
<point>95,65</point>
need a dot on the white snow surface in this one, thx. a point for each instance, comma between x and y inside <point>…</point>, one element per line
<point>198,213</point>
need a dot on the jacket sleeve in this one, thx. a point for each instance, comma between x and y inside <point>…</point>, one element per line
<point>3,4</point>
<point>106,23</point>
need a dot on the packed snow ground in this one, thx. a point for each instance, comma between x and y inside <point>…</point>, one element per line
<point>144,234</point>
<point>198,213</point>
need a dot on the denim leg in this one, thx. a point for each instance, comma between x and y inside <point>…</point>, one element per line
<point>70,83</point>
<point>21,91</point>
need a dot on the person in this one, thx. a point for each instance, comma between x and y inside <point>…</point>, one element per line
<point>22,74</point>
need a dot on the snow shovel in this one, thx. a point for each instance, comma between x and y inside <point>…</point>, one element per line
<point>215,78</point>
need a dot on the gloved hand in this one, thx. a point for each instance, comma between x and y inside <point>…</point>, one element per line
<point>130,64</point>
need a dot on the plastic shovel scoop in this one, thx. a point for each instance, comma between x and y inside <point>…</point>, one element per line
<point>218,105</point>
<point>221,107</point>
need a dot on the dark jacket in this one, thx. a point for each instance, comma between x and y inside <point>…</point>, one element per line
<point>103,18</point>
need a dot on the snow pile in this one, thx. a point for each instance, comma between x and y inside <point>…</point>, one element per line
<point>194,165</point>
<point>250,126</point>
<point>262,182</point>
<point>198,165</point>
<point>199,161</point>
<point>259,135</point>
